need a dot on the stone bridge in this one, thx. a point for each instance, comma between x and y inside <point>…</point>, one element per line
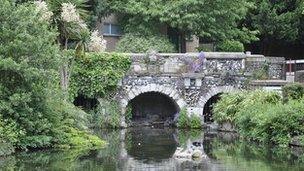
<point>158,86</point>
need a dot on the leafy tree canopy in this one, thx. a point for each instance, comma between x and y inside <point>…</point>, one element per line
<point>218,19</point>
<point>279,19</point>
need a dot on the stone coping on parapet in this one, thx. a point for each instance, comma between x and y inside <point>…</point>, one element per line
<point>268,82</point>
<point>208,55</point>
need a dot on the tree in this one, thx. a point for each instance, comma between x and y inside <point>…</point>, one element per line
<point>32,111</point>
<point>278,22</point>
<point>29,61</point>
<point>69,18</point>
<point>216,19</point>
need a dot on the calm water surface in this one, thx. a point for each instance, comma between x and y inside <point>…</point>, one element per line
<point>153,149</point>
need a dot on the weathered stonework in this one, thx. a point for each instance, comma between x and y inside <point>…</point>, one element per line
<point>173,75</point>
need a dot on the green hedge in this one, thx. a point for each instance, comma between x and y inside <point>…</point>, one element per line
<point>230,46</point>
<point>131,43</point>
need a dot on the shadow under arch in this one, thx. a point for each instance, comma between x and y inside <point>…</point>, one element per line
<point>211,97</point>
<point>208,108</point>
<point>153,106</point>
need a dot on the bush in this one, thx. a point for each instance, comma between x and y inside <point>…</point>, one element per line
<point>32,108</point>
<point>131,43</point>
<point>230,46</point>
<point>293,91</point>
<point>227,107</point>
<point>262,73</point>
<point>230,104</point>
<point>261,116</point>
<point>195,122</point>
<point>184,121</point>
<point>106,115</point>
<point>271,123</point>
<point>74,138</point>
<point>97,74</point>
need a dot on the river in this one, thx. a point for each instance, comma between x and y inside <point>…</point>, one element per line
<point>156,148</point>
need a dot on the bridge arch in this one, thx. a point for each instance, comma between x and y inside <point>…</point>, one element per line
<point>168,92</point>
<point>213,93</point>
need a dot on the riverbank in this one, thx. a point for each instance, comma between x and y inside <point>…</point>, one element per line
<point>264,116</point>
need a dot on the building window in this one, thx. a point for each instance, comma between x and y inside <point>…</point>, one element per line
<point>111,29</point>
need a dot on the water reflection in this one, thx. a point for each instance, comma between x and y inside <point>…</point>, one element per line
<point>151,145</point>
<point>154,149</point>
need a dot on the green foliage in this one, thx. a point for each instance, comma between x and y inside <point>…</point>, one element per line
<point>128,114</point>
<point>287,13</point>
<point>32,110</point>
<point>279,23</point>
<point>202,48</point>
<point>262,73</point>
<point>6,149</point>
<point>97,74</point>
<point>183,119</point>
<point>192,122</point>
<point>195,122</point>
<point>261,116</point>
<point>80,139</point>
<point>272,123</point>
<point>106,115</point>
<point>213,19</point>
<point>230,46</point>
<point>293,91</point>
<point>227,108</point>
<point>132,43</point>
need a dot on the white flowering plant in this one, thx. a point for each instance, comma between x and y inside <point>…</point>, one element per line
<point>43,9</point>
<point>96,43</point>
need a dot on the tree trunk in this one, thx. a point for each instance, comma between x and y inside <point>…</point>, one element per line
<point>64,73</point>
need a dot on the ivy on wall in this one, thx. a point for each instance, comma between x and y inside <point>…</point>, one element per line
<point>97,74</point>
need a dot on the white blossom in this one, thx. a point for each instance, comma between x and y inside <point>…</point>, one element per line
<point>69,13</point>
<point>83,25</point>
<point>41,7</point>
<point>97,43</point>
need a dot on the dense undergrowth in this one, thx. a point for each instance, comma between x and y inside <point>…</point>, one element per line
<point>96,76</point>
<point>33,110</point>
<point>263,116</point>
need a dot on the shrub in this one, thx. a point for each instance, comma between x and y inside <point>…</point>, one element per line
<point>80,139</point>
<point>106,115</point>
<point>227,107</point>
<point>195,122</point>
<point>262,73</point>
<point>97,74</point>
<point>184,121</point>
<point>271,123</point>
<point>293,91</point>
<point>261,116</point>
<point>230,46</point>
<point>32,108</point>
<point>131,43</point>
